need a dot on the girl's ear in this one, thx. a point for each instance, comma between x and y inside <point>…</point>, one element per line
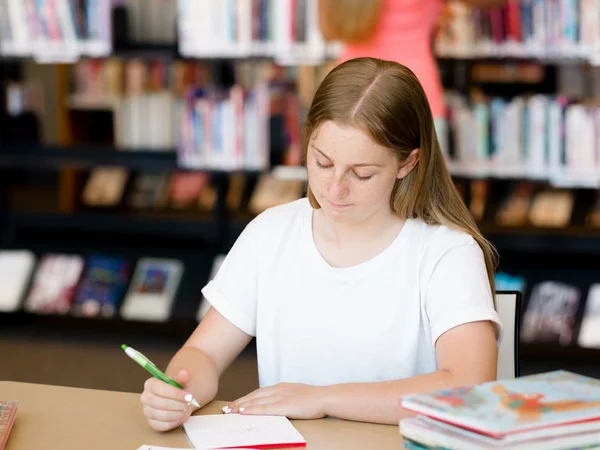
<point>409,164</point>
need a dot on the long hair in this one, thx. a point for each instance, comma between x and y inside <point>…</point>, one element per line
<point>385,100</point>
<point>349,21</point>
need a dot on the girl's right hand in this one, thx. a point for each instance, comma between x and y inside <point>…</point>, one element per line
<point>165,406</point>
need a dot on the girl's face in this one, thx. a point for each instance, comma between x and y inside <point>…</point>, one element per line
<point>350,175</point>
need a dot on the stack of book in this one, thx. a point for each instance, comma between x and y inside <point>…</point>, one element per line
<point>8,412</point>
<point>548,411</point>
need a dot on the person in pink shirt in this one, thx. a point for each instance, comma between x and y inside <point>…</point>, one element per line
<point>394,30</point>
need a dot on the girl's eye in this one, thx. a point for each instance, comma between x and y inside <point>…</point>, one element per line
<point>323,166</point>
<point>363,178</point>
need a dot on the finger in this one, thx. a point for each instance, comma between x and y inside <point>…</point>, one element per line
<point>165,390</point>
<point>163,416</point>
<point>166,404</point>
<point>183,378</point>
<point>263,392</point>
<point>258,393</point>
<point>162,426</point>
<point>268,409</point>
<point>241,407</point>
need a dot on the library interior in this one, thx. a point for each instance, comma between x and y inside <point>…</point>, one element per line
<point>139,138</point>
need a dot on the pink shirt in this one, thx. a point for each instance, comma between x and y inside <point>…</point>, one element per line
<point>404,34</point>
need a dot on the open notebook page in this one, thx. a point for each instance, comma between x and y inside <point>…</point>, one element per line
<point>235,430</point>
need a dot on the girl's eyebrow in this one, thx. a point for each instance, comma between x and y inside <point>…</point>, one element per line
<point>352,165</point>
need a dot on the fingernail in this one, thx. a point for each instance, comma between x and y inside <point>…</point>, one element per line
<point>226,409</point>
<point>242,409</point>
<point>188,398</point>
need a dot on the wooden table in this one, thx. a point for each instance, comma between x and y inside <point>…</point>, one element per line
<point>62,418</point>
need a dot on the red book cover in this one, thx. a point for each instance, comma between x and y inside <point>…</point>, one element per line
<point>514,21</point>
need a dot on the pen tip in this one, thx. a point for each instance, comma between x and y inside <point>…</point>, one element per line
<point>124,347</point>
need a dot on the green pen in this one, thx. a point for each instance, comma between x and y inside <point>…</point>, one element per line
<point>155,371</point>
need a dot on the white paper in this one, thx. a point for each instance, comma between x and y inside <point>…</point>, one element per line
<point>154,447</point>
<point>234,430</point>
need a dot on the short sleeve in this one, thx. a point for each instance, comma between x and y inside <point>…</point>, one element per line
<point>459,292</point>
<point>233,291</point>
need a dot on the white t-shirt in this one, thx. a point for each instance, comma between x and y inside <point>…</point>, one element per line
<point>375,321</point>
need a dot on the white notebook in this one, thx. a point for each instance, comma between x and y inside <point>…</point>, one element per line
<point>235,430</point>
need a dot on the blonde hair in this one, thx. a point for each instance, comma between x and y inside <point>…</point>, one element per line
<point>385,100</point>
<point>349,21</point>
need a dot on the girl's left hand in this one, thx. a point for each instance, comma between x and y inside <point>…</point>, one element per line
<point>293,400</point>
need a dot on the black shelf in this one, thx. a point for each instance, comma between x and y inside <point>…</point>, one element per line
<point>171,225</point>
<point>27,157</point>
<point>147,50</point>
<point>183,312</point>
<point>84,157</point>
<point>571,240</point>
<point>175,328</point>
<point>541,350</point>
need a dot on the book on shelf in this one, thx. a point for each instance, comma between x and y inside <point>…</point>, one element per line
<point>55,31</point>
<point>514,209</point>
<point>152,290</point>
<point>286,31</point>
<point>225,129</point>
<point>509,282</point>
<point>54,284</point>
<point>151,21</point>
<point>550,316</point>
<point>102,286</point>
<point>552,208</point>
<point>546,29</point>
<point>105,187</point>
<point>144,97</point>
<point>553,410</point>
<point>192,189</point>
<point>538,137</point>
<point>149,190</point>
<point>16,268</point>
<point>593,217</point>
<point>589,331</point>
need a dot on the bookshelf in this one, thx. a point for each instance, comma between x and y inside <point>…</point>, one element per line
<point>198,237</point>
<point>84,157</point>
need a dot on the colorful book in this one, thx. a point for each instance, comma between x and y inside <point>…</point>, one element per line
<point>8,412</point>
<point>551,315</point>
<point>508,407</point>
<point>102,286</point>
<point>54,284</point>
<point>427,434</point>
<point>153,290</point>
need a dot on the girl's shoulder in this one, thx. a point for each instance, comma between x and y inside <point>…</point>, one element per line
<point>278,220</point>
<point>436,234</point>
<point>435,240</point>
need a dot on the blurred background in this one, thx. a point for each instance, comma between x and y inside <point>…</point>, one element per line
<point>139,137</point>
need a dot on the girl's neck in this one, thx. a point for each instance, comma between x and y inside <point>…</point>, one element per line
<point>381,226</point>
